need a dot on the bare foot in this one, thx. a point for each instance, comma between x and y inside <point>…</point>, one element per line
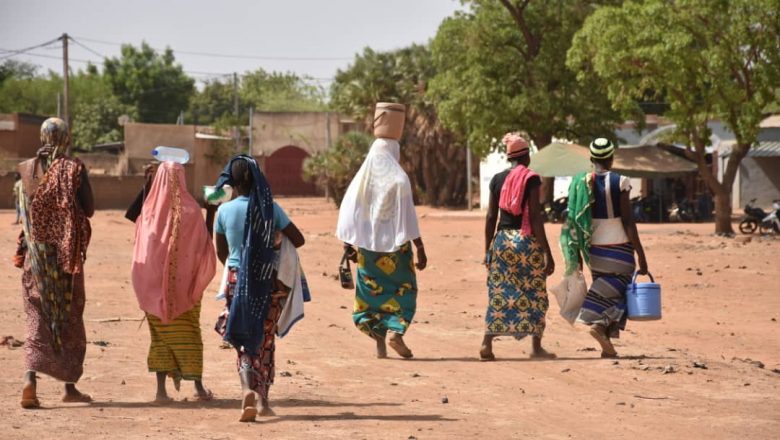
<point>397,343</point>
<point>541,353</point>
<point>599,333</point>
<point>486,354</point>
<point>381,348</point>
<point>29,396</point>
<point>72,395</point>
<point>266,411</point>
<point>204,396</point>
<point>249,411</point>
<point>162,399</point>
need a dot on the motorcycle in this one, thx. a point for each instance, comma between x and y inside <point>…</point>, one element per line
<point>682,212</point>
<point>753,217</point>
<point>558,210</point>
<point>771,223</point>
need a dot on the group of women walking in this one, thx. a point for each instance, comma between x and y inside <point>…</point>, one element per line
<point>174,260</point>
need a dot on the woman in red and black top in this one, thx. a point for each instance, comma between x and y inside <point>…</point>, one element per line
<point>518,257</point>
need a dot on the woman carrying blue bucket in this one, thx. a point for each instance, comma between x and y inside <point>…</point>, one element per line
<point>600,230</point>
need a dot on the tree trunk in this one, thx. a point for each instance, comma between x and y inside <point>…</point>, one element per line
<point>723,212</point>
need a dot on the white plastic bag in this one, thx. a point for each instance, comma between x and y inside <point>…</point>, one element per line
<point>570,294</point>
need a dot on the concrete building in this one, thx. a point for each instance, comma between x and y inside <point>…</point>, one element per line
<point>282,141</point>
<point>20,138</point>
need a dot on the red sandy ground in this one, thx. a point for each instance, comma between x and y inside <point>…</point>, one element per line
<point>721,308</point>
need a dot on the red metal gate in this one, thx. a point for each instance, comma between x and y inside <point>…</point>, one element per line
<point>284,170</point>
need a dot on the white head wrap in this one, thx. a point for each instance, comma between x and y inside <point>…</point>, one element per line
<point>377,212</point>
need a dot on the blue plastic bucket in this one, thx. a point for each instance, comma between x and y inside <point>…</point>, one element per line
<point>643,300</point>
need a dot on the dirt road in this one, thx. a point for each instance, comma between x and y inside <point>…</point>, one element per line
<point>721,306</point>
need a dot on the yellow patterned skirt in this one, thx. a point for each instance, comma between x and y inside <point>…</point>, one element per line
<point>177,347</point>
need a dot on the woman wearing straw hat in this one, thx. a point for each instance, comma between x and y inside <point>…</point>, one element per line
<point>518,257</point>
<point>601,231</point>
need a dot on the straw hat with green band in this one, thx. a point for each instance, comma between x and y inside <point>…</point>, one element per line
<point>602,148</point>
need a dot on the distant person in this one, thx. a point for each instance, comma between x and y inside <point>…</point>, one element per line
<point>173,263</point>
<point>134,211</point>
<point>518,257</point>
<point>601,231</point>
<point>248,228</point>
<point>55,203</point>
<point>377,216</point>
<point>17,193</point>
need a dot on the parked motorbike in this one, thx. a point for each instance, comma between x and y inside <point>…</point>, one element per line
<point>558,210</point>
<point>682,212</point>
<point>771,223</point>
<point>753,217</point>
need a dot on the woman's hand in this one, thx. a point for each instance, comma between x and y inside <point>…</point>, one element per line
<point>549,264</point>
<point>44,152</point>
<point>422,259</point>
<point>351,253</point>
<point>642,265</point>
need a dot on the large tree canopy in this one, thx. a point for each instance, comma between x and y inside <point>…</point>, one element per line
<point>501,67</point>
<point>709,58</point>
<point>153,83</point>
<point>433,155</point>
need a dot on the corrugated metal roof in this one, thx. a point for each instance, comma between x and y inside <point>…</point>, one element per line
<point>765,149</point>
<point>760,149</point>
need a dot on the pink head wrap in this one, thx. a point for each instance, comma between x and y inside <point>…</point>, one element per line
<point>516,145</point>
<point>173,258</point>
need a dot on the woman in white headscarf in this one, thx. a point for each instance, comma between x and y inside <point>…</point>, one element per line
<point>377,216</point>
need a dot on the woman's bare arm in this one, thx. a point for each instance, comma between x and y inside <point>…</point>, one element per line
<point>294,234</point>
<point>627,217</point>
<point>537,224</point>
<point>223,250</point>
<point>85,196</point>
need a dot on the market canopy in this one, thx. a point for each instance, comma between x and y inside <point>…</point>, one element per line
<point>651,161</point>
<point>561,160</point>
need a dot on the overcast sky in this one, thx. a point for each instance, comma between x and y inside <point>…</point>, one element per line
<point>308,37</point>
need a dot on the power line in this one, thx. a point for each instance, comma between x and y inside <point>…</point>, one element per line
<point>236,56</point>
<point>14,52</point>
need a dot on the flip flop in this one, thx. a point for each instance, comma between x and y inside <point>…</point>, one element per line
<point>31,403</point>
<point>250,408</point>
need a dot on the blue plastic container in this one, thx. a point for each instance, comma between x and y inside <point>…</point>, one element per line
<point>643,300</point>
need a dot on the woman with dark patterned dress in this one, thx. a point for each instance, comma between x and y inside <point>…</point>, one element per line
<point>55,204</point>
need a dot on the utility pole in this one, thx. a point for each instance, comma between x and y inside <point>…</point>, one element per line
<point>59,105</point>
<point>235,111</point>
<point>65,100</point>
<point>251,138</point>
<point>468,177</point>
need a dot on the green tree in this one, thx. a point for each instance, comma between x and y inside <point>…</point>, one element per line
<point>501,67</point>
<point>433,156</point>
<point>264,91</point>
<point>152,83</point>
<point>281,92</point>
<point>333,169</point>
<point>97,121</point>
<point>709,58</point>
<point>212,103</point>
<point>16,69</point>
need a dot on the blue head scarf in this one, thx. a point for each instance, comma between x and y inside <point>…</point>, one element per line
<point>252,296</point>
